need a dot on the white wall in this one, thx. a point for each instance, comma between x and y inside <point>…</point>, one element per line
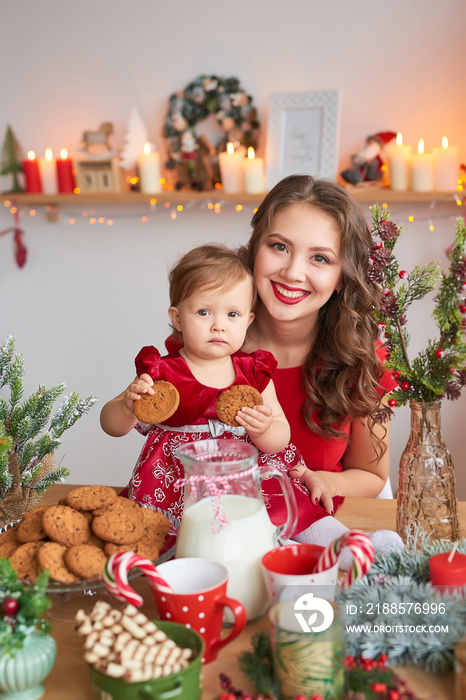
<point>90,296</point>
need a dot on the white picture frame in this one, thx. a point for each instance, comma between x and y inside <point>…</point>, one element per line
<point>302,135</point>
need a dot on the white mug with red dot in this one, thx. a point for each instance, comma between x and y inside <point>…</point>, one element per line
<point>198,600</point>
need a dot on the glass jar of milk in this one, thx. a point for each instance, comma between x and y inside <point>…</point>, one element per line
<point>225,518</point>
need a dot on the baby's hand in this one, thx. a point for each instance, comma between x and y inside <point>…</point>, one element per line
<point>256,421</point>
<point>315,484</point>
<point>141,385</point>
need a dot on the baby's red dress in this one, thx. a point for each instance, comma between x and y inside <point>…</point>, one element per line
<point>158,469</point>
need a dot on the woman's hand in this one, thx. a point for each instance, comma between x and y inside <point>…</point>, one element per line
<point>256,421</point>
<point>319,484</point>
<point>141,385</point>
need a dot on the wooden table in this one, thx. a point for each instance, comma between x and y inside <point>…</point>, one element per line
<point>69,677</point>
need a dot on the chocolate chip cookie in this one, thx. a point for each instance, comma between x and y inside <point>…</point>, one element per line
<point>158,407</point>
<point>230,401</point>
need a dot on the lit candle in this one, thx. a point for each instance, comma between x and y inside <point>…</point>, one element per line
<point>422,170</point>
<point>398,157</point>
<point>446,167</point>
<point>149,171</point>
<point>48,173</point>
<point>65,172</point>
<point>32,173</point>
<point>253,172</point>
<point>231,171</point>
<point>447,570</point>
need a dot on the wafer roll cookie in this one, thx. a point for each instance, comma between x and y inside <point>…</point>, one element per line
<point>115,670</point>
<point>100,649</point>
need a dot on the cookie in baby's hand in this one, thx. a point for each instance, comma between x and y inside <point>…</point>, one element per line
<point>158,407</point>
<point>230,401</point>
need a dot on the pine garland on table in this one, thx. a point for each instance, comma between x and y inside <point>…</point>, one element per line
<point>367,679</point>
<point>401,576</point>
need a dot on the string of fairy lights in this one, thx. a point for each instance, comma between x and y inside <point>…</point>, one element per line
<point>430,211</point>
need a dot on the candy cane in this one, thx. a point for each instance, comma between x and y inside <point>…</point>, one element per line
<point>363,555</point>
<point>115,576</point>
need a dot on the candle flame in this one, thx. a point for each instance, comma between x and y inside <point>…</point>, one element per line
<point>399,139</point>
<point>420,147</point>
<point>31,155</point>
<point>251,153</point>
<point>48,153</point>
<point>63,153</point>
<point>444,142</point>
<point>230,148</point>
<point>147,149</point>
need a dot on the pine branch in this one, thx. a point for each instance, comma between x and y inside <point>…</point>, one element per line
<point>23,426</point>
<point>56,476</point>
<point>428,376</point>
<point>257,665</point>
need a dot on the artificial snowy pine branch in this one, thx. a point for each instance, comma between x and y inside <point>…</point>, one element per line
<point>25,441</point>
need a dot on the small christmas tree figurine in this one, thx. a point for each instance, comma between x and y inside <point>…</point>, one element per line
<point>11,158</point>
<point>27,466</point>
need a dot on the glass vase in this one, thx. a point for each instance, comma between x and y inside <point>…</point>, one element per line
<point>426,498</point>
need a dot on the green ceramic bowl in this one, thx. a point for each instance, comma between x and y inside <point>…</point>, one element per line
<point>184,685</point>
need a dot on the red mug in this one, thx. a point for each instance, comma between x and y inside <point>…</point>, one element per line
<point>198,600</point>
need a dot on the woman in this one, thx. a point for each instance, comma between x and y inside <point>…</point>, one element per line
<point>309,254</point>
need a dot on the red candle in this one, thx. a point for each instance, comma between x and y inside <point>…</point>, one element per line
<point>65,173</point>
<point>32,173</point>
<point>447,571</point>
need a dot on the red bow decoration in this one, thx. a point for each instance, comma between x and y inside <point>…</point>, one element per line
<point>20,249</point>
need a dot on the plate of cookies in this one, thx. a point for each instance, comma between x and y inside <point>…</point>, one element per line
<point>74,538</point>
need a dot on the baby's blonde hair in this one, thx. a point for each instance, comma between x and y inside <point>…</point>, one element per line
<point>211,266</point>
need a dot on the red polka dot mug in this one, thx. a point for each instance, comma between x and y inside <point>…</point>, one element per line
<point>198,600</point>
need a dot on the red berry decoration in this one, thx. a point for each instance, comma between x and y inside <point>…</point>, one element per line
<point>403,274</point>
<point>463,308</point>
<point>392,402</point>
<point>10,606</point>
<point>317,697</point>
<point>379,687</point>
<point>394,695</point>
<point>386,292</point>
<point>406,386</point>
<point>439,352</point>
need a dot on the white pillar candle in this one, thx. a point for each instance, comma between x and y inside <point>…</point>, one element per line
<point>149,171</point>
<point>422,170</point>
<point>231,171</point>
<point>253,173</point>
<point>398,157</point>
<point>446,167</point>
<point>48,173</point>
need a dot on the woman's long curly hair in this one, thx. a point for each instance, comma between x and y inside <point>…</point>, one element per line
<point>342,370</point>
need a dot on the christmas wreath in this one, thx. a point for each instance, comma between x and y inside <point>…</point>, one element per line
<point>234,111</point>
<point>395,611</point>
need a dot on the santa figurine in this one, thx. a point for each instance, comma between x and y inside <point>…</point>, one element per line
<point>367,164</point>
